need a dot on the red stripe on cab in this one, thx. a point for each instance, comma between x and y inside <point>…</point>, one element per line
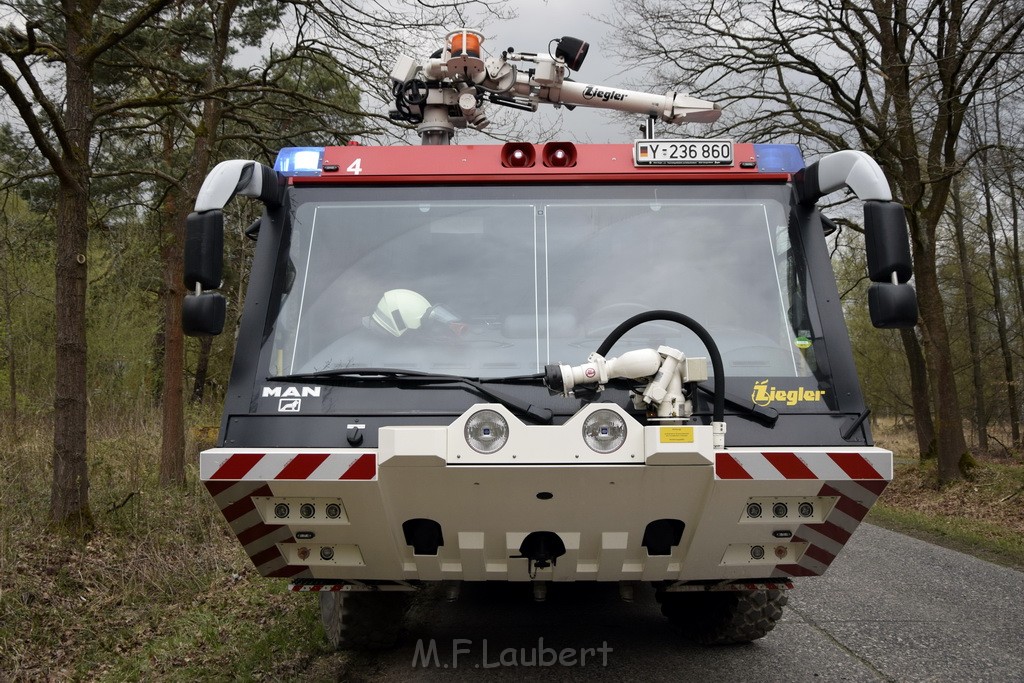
<point>364,468</point>
<point>237,466</point>
<point>790,466</point>
<point>726,467</point>
<point>301,466</point>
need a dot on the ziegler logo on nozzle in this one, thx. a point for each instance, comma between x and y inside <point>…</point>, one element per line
<point>590,93</point>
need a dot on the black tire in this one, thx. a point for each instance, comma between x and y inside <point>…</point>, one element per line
<point>724,617</point>
<point>363,620</point>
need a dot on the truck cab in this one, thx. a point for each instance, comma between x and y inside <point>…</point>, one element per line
<point>546,363</point>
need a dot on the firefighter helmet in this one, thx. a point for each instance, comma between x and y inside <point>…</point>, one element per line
<point>400,310</point>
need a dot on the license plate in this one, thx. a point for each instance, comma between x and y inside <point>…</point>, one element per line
<point>682,153</point>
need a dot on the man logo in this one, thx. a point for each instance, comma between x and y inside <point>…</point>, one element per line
<point>289,405</point>
<point>291,392</point>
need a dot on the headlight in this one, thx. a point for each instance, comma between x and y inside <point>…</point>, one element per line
<point>486,431</point>
<point>604,431</point>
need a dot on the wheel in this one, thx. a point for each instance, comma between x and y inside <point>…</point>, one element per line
<point>363,620</point>
<point>724,617</point>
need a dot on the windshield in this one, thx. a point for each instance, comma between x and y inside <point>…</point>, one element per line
<point>498,281</point>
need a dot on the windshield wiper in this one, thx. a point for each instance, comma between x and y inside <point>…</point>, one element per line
<point>766,416</point>
<point>350,376</point>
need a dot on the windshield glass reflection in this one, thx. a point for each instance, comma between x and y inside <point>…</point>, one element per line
<point>505,285</point>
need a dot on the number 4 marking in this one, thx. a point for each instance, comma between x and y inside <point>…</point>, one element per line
<point>355,167</point>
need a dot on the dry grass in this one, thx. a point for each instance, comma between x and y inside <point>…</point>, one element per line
<point>983,515</point>
<point>160,590</point>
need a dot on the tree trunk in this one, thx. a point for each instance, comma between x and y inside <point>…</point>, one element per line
<point>172,458</point>
<point>980,415</point>
<point>1018,278</point>
<point>919,394</point>
<point>202,368</point>
<point>923,177</point>
<point>997,304</point>
<point>172,253</point>
<point>157,359</point>
<point>69,496</point>
<point>951,445</point>
<point>1015,255</point>
<point>69,500</point>
<point>172,443</point>
<point>12,379</point>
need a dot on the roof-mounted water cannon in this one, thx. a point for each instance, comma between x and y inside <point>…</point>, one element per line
<point>449,90</point>
<point>572,51</point>
<point>464,56</point>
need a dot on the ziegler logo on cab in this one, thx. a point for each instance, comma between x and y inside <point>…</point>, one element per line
<point>764,395</point>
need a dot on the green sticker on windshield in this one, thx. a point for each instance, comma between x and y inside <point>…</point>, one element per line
<point>802,343</point>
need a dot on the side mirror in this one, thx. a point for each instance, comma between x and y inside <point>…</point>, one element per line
<point>892,305</point>
<point>855,170</point>
<point>204,249</point>
<point>203,315</point>
<point>886,241</point>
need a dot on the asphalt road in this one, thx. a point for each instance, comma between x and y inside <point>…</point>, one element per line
<point>890,608</point>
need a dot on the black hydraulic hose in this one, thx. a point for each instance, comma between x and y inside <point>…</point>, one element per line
<point>696,328</point>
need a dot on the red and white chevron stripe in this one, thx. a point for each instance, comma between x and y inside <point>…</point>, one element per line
<point>234,478</point>
<point>854,479</point>
<point>828,466</point>
<point>234,498</point>
<point>288,465</point>
<point>826,539</point>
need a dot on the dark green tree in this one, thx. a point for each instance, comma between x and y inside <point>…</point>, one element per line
<point>202,109</point>
<point>39,42</point>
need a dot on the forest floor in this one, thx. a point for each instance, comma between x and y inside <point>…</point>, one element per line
<point>161,590</point>
<point>982,515</point>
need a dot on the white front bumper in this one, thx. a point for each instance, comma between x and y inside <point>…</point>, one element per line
<point>544,479</point>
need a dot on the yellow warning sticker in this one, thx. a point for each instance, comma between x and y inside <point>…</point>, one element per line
<point>677,435</point>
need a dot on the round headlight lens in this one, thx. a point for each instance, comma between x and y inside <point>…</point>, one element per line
<point>486,431</point>
<point>604,431</point>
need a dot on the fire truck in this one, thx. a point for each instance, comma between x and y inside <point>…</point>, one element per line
<point>544,363</point>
